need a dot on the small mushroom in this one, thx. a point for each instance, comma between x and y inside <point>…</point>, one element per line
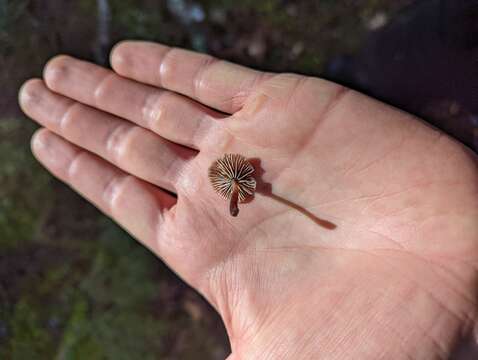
<point>231,177</point>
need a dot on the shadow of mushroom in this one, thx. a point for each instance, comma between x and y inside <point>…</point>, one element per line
<point>265,189</point>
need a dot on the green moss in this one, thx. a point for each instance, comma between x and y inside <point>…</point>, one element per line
<point>265,6</point>
<point>118,335</point>
<point>24,191</point>
<point>76,340</point>
<point>111,317</point>
<point>29,338</point>
<point>120,264</point>
<point>310,63</point>
<point>10,12</point>
<point>136,21</point>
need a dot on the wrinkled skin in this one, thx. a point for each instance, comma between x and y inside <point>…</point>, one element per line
<point>360,243</point>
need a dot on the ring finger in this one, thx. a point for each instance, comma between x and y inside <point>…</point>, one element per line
<point>132,148</point>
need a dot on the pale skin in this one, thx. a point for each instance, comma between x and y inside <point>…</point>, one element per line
<point>384,266</point>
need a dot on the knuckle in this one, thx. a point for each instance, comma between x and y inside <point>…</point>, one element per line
<point>103,88</point>
<point>69,117</point>
<point>114,189</point>
<point>199,82</point>
<point>118,142</point>
<point>167,65</point>
<point>154,110</point>
<point>76,165</point>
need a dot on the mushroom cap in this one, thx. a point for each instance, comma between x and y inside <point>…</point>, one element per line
<point>229,171</point>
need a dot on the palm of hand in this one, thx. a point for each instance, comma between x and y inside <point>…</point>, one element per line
<point>360,241</point>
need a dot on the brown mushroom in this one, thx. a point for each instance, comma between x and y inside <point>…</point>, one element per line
<point>231,177</point>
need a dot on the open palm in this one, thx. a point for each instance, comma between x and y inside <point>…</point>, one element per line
<point>361,241</point>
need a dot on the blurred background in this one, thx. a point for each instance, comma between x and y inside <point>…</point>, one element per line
<point>75,286</point>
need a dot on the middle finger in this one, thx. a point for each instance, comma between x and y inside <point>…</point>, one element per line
<point>170,115</point>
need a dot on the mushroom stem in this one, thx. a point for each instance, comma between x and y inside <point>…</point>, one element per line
<point>233,208</point>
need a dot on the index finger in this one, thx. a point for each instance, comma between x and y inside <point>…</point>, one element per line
<point>216,83</point>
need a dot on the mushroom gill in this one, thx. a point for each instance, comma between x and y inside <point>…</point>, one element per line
<point>231,177</point>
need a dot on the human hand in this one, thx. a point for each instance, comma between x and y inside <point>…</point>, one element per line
<point>360,243</point>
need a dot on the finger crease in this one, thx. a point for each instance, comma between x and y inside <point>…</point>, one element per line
<point>174,168</point>
<point>112,190</point>
<point>336,99</point>
<point>237,101</point>
<point>152,109</point>
<point>117,139</point>
<point>198,78</point>
<point>162,66</point>
<point>99,92</point>
<point>74,165</point>
<point>66,117</point>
